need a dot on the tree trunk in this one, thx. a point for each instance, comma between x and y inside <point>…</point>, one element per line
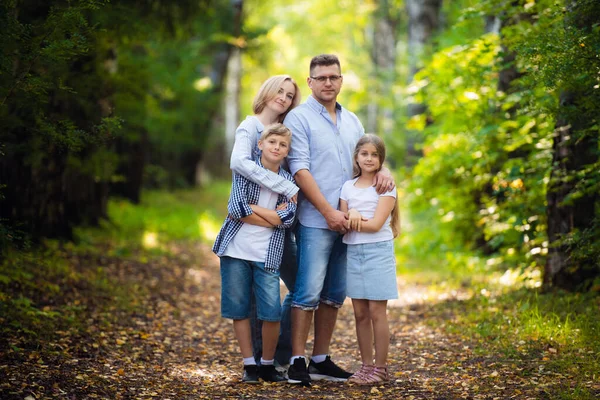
<point>232,98</point>
<point>573,150</point>
<point>423,22</point>
<point>226,69</point>
<point>571,153</point>
<point>132,148</point>
<point>383,54</point>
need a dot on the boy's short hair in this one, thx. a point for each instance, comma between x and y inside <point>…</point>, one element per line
<point>277,129</point>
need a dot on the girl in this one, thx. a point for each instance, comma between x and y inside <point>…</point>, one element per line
<point>373,223</point>
<point>275,98</point>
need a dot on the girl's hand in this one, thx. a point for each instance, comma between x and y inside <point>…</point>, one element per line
<point>281,207</point>
<point>354,220</point>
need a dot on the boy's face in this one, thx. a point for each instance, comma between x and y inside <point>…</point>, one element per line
<point>274,148</point>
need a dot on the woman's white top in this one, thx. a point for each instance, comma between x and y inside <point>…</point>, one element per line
<point>365,201</point>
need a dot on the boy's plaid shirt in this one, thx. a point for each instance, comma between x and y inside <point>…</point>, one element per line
<point>244,193</point>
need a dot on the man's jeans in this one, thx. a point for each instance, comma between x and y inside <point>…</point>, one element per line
<point>287,272</point>
<point>321,276</point>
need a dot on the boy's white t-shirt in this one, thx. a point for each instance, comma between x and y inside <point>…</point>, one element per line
<point>252,241</point>
<point>365,200</point>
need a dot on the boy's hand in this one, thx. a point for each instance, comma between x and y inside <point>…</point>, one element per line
<point>281,207</point>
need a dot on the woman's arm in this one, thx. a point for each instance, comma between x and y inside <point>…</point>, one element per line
<point>241,162</point>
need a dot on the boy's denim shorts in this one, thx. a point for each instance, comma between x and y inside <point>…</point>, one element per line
<point>238,279</point>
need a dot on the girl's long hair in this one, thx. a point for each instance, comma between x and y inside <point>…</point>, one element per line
<point>376,141</point>
<point>269,90</point>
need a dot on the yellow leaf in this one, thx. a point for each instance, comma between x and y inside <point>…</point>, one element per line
<point>121,372</point>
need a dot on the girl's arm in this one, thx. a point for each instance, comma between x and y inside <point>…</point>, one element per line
<point>382,212</point>
<point>344,206</point>
<point>242,163</point>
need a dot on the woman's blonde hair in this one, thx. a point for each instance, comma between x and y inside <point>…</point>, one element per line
<point>269,90</point>
<point>376,141</point>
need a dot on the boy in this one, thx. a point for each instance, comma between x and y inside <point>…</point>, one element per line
<point>250,245</point>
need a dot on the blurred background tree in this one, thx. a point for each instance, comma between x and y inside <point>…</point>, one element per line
<point>489,109</point>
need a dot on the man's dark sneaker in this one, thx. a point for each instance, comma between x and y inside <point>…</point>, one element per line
<point>327,370</point>
<point>250,374</point>
<point>298,373</point>
<point>268,373</point>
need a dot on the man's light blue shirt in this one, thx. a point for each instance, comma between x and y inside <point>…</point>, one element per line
<point>325,149</point>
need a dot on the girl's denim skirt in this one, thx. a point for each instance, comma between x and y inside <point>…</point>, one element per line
<point>372,271</point>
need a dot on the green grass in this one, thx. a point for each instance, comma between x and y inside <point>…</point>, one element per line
<point>162,217</point>
<point>507,316</point>
<point>558,330</point>
<point>40,286</point>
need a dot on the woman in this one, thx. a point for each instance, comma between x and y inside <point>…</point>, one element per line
<point>275,98</point>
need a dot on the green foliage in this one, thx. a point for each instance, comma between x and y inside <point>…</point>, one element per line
<point>488,154</point>
<point>284,48</point>
<point>164,85</point>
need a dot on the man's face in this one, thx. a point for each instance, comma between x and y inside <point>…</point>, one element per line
<point>327,90</point>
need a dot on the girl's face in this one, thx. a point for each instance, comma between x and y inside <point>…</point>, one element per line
<point>283,99</point>
<point>368,158</point>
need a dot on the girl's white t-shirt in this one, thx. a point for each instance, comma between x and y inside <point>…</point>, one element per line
<point>252,241</point>
<point>365,200</point>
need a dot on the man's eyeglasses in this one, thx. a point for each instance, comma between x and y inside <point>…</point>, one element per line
<point>323,79</point>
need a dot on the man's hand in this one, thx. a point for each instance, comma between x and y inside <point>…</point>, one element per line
<point>282,207</point>
<point>383,181</point>
<point>336,220</point>
<point>294,198</point>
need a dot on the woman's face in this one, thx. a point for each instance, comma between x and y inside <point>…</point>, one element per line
<point>283,99</point>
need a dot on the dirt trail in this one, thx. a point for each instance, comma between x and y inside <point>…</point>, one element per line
<point>180,348</point>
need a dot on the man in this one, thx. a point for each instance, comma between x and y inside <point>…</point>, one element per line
<point>325,135</point>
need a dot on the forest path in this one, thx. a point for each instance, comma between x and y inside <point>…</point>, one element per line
<point>173,344</point>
